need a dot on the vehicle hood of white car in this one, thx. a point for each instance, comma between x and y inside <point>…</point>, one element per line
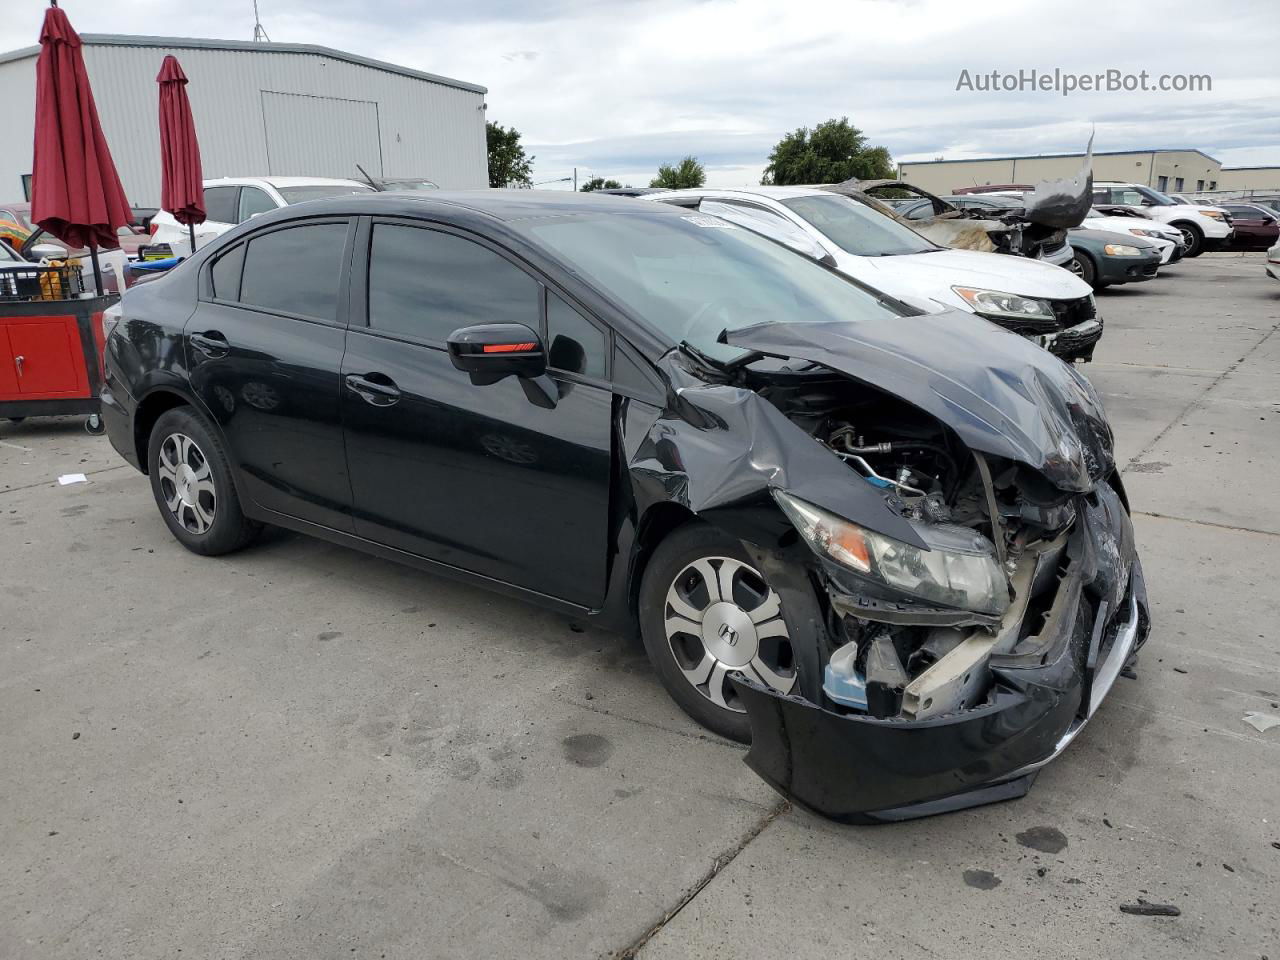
<point>1125,224</point>
<point>933,275</point>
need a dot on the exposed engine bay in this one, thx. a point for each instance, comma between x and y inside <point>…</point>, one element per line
<point>891,664</point>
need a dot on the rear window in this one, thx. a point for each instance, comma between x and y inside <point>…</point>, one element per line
<point>320,191</point>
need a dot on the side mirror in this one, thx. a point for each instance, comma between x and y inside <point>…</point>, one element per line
<point>491,351</point>
<point>48,251</point>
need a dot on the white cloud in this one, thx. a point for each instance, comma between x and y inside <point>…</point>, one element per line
<point>614,88</point>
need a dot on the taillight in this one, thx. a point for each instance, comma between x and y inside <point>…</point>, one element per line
<point>152,228</point>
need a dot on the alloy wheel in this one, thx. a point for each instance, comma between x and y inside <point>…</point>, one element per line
<point>186,483</point>
<point>722,617</point>
<point>1075,267</point>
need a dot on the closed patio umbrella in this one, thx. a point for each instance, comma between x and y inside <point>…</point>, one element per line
<point>181,180</point>
<point>75,191</point>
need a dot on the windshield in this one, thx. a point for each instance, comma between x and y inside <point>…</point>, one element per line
<point>320,191</point>
<point>692,276</point>
<point>1156,197</point>
<point>856,228</point>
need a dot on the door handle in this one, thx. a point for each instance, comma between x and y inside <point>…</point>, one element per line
<point>212,344</point>
<point>372,391</point>
<point>17,361</point>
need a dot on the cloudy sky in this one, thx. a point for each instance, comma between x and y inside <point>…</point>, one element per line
<point>615,88</point>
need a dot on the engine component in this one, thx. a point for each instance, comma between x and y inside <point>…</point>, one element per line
<point>841,680</point>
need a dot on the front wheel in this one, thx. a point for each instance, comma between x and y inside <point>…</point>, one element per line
<point>1083,268</point>
<point>192,484</point>
<point>706,613</point>
<point>1193,237</point>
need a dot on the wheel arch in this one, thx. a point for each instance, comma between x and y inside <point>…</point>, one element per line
<point>657,523</point>
<point>150,408</point>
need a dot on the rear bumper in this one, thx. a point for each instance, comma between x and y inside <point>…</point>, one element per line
<point>854,768</point>
<point>117,417</point>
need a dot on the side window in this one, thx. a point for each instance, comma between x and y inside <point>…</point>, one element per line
<point>225,274</point>
<point>253,200</point>
<point>220,204</point>
<point>1130,198</point>
<point>427,284</point>
<point>296,270</point>
<point>574,343</point>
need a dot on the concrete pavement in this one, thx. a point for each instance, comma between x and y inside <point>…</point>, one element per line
<point>299,751</point>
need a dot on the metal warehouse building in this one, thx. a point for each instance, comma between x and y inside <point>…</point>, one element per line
<point>1173,170</point>
<point>261,109</point>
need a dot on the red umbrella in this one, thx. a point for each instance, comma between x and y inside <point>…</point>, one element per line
<point>182,182</point>
<point>75,191</point>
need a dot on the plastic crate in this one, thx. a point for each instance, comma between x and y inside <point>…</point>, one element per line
<point>55,282</point>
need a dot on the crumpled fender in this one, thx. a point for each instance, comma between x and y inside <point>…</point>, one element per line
<point>1002,394</point>
<point>720,446</point>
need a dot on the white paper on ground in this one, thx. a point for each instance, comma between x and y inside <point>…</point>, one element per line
<point>67,478</point>
<point>1262,722</point>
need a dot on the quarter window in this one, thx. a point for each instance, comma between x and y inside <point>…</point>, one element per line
<point>427,284</point>
<point>220,204</point>
<point>225,274</point>
<point>575,344</point>
<point>296,270</point>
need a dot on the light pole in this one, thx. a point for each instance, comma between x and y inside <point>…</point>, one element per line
<point>558,180</point>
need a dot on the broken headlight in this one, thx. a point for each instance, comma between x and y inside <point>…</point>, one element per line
<point>994,303</point>
<point>958,570</point>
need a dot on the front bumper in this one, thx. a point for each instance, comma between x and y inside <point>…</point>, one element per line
<point>1074,343</point>
<point>855,768</point>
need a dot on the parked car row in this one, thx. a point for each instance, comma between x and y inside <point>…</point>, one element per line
<point>852,520</point>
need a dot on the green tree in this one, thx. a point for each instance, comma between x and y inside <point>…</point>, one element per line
<point>687,173</point>
<point>829,153</point>
<point>600,183</point>
<point>508,166</point>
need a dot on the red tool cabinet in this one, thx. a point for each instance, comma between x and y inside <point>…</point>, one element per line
<point>51,358</point>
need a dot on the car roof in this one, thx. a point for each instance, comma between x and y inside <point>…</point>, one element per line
<point>278,182</point>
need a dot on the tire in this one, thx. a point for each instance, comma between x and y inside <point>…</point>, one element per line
<point>1082,266</point>
<point>1194,237</point>
<point>193,487</point>
<point>16,419</point>
<point>749,633</point>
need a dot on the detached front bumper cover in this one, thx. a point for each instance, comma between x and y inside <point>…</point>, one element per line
<point>857,769</point>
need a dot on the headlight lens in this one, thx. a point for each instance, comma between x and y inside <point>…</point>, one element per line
<point>1121,250</point>
<point>1144,233</point>
<point>1211,214</point>
<point>994,303</point>
<point>958,570</point>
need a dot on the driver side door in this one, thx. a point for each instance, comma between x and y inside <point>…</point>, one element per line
<point>476,477</point>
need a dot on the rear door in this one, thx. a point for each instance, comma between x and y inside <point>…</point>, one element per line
<point>265,351</point>
<point>477,477</point>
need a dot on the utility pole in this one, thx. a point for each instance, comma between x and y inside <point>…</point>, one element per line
<point>575,179</point>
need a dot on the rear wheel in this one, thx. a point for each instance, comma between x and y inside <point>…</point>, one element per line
<point>706,613</point>
<point>1193,236</point>
<point>192,484</point>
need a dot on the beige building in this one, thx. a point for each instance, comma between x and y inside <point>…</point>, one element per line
<point>1174,171</point>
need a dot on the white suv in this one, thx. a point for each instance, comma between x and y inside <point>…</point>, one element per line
<point>1202,227</point>
<point>232,200</point>
<point>1044,303</point>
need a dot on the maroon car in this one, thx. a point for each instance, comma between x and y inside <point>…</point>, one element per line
<point>1257,227</point>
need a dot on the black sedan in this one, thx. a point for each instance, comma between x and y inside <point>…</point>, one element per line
<point>890,548</point>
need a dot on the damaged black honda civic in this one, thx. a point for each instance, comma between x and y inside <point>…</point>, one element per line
<point>890,549</point>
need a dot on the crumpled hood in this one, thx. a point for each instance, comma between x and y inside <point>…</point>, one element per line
<point>934,274</point>
<point>1000,393</point>
<point>1125,224</point>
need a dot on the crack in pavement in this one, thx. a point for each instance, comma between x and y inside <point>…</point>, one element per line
<point>54,481</point>
<point>1205,523</point>
<point>723,860</point>
<point>1198,400</point>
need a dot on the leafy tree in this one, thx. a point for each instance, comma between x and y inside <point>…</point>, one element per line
<point>600,183</point>
<point>508,166</point>
<point>687,173</point>
<point>829,153</point>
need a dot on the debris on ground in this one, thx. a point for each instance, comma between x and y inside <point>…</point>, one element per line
<point>1262,722</point>
<point>69,478</point>
<point>1144,909</point>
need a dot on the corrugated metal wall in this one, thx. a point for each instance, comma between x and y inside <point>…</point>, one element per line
<point>424,129</point>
